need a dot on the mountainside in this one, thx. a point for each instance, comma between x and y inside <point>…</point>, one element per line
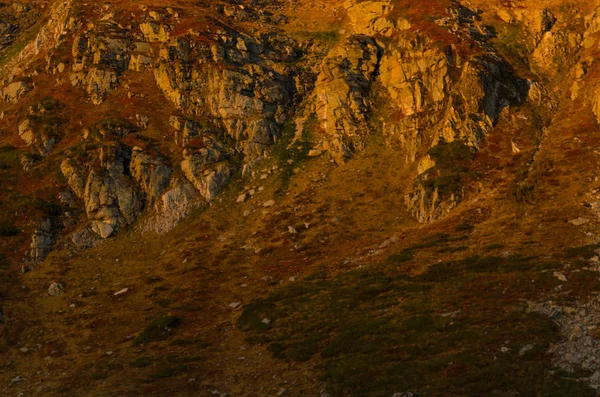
<point>293,198</point>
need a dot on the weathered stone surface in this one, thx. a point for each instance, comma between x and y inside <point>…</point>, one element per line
<point>155,32</point>
<point>52,32</point>
<point>41,139</point>
<point>42,242</point>
<point>442,96</point>
<point>97,83</point>
<point>85,238</point>
<point>427,204</point>
<point>246,99</point>
<point>174,205</point>
<point>151,173</point>
<point>554,50</point>
<point>14,91</point>
<point>110,197</point>
<point>372,18</point>
<point>207,168</point>
<point>186,130</point>
<point>342,88</point>
<point>25,132</point>
<point>577,322</point>
<point>73,172</point>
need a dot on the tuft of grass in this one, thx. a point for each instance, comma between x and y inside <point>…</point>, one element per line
<point>464,227</point>
<point>254,315</point>
<point>283,150</point>
<point>141,362</point>
<point>8,230</point>
<point>585,252</point>
<point>402,257</point>
<point>3,260</point>
<point>49,104</point>
<point>160,328</point>
<point>165,372</point>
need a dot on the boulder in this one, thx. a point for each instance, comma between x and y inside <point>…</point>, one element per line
<point>56,289</point>
<point>14,91</point>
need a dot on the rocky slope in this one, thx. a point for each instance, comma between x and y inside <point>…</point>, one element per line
<point>249,156</point>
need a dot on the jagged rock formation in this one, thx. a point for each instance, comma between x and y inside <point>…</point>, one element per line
<point>111,202</point>
<point>116,183</point>
<point>342,89</point>
<point>247,100</point>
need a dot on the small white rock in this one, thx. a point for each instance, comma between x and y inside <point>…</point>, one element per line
<point>579,221</point>
<point>525,349</point>
<point>560,276</point>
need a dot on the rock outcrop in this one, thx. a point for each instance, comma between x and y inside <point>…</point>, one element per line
<point>207,167</point>
<point>230,84</point>
<point>151,173</point>
<point>14,91</point>
<point>342,91</point>
<point>41,129</point>
<point>435,94</point>
<point>97,83</point>
<point>42,242</point>
<point>234,90</point>
<point>60,21</point>
<point>174,205</point>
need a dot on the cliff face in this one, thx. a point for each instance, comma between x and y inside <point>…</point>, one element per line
<point>338,118</point>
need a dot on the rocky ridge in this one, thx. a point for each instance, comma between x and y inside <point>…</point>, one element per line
<point>235,92</point>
